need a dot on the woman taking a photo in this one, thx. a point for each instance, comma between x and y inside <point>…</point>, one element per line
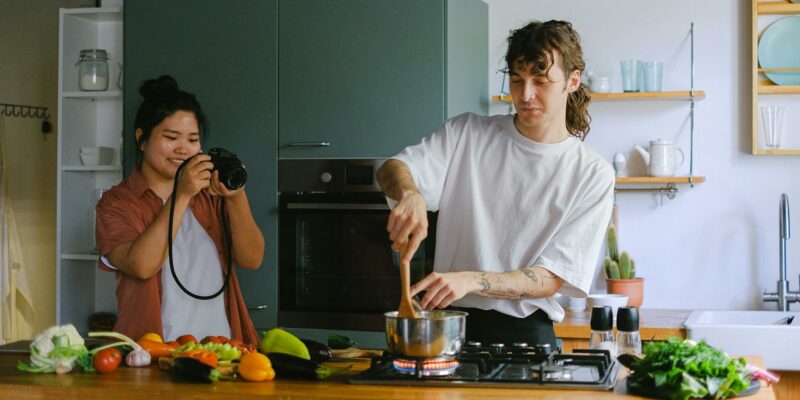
<point>133,218</point>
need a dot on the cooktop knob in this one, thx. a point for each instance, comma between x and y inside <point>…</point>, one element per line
<point>498,348</point>
<point>326,177</point>
<point>543,348</point>
<point>473,344</point>
<point>520,345</point>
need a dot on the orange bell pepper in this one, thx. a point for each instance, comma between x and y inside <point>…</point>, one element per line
<point>255,367</point>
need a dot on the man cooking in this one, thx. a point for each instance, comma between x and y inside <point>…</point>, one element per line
<point>523,202</point>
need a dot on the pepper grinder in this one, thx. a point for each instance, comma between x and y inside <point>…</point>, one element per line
<point>602,336</point>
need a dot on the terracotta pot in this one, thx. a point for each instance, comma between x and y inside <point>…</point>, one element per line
<point>633,288</point>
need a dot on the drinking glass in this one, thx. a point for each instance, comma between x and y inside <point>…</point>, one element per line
<point>630,75</point>
<point>771,124</point>
<point>652,72</point>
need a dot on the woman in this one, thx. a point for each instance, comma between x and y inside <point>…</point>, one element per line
<point>133,217</point>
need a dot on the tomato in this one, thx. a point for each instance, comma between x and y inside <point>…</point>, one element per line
<point>175,344</point>
<point>107,360</point>
<point>186,339</point>
<point>152,336</point>
<point>235,343</point>
<point>212,339</point>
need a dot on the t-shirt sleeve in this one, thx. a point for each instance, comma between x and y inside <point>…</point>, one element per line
<point>430,159</point>
<point>573,251</point>
<point>115,225</point>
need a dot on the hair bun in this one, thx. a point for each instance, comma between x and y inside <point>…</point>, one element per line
<point>163,85</point>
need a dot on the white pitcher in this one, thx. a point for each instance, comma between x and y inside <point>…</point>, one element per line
<point>661,160</point>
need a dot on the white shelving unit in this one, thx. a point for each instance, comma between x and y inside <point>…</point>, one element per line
<point>85,119</point>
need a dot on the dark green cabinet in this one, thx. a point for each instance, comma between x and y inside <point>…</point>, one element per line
<point>225,53</point>
<point>365,78</point>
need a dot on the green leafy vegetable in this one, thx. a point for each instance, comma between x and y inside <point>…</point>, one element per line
<point>340,342</point>
<point>684,369</point>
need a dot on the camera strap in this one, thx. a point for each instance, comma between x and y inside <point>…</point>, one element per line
<point>225,229</point>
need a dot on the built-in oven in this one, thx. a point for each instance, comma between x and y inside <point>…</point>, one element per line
<point>336,269</point>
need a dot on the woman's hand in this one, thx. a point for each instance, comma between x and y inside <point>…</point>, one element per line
<point>217,188</point>
<point>195,175</point>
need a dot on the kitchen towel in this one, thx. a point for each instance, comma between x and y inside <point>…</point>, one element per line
<point>16,306</point>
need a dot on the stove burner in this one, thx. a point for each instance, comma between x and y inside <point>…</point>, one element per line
<point>498,366</point>
<point>425,367</point>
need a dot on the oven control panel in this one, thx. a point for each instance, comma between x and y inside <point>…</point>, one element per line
<point>328,175</point>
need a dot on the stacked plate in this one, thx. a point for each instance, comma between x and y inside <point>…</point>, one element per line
<point>778,48</point>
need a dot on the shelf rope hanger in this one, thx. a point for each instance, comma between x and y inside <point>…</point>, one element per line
<point>25,111</point>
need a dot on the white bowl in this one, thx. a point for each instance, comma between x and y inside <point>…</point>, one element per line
<point>97,155</point>
<point>613,300</point>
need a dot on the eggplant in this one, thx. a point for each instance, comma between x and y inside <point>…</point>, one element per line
<point>191,370</point>
<point>319,352</point>
<point>289,366</point>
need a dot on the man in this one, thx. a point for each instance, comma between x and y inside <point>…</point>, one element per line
<point>523,203</point>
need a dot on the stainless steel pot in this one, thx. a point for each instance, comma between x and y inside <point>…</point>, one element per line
<point>437,333</point>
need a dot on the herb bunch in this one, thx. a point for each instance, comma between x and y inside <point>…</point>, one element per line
<point>683,369</point>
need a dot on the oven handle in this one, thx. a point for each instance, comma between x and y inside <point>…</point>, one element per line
<point>336,206</point>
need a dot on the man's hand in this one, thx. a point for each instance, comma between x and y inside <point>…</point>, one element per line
<point>408,222</point>
<point>443,288</point>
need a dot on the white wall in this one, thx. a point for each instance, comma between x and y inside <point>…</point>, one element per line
<point>714,246</point>
<point>29,75</point>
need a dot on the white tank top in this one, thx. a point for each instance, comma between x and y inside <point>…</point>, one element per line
<point>198,267</point>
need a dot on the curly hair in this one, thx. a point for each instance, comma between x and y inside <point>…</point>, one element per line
<point>535,43</point>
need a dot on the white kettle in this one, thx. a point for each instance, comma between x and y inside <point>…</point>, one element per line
<point>661,160</point>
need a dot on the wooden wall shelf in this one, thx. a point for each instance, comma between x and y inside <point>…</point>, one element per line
<point>630,96</point>
<point>767,87</point>
<point>786,152</point>
<point>656,179</point>
<point>774,8</point>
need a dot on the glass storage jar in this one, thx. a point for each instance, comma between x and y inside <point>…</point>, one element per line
<point>93,70</point>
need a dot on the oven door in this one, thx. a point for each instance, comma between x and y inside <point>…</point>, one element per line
<point>336,268</point>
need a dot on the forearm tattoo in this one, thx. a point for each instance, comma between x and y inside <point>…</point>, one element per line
<point>507,286</point>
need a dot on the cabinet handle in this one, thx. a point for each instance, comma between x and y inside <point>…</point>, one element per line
<point>336,206</point>
<point>309,144</point>
<point>258,307</point>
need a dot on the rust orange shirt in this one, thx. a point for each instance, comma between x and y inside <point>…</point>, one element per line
<point>123,213</point>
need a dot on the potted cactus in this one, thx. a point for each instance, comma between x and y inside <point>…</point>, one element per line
<point>621,272</point>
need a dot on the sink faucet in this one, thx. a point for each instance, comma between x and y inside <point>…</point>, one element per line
<point>783,296</point>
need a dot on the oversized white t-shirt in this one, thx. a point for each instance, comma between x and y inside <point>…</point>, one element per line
<point>506,202</point>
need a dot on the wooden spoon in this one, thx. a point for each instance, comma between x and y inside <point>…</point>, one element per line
<point>406,309</point>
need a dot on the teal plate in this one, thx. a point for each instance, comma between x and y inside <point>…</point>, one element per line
<point>778,48</point>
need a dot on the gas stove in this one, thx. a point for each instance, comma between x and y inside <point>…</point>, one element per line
<point>498,365</point>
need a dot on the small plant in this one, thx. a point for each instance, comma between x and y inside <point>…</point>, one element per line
<point>617,266</point>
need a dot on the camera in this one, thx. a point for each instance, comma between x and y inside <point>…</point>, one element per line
<point>231,172</point>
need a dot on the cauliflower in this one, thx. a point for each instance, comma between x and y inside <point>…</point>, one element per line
<point>57,349</point>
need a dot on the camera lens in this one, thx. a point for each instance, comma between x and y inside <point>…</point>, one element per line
<point>236,178</point>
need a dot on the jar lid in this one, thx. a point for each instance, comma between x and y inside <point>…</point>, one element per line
<point>88,54</point>
<point>627,319</point>
<point>602,318</point>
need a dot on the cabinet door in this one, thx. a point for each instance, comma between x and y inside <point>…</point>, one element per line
<point>366,76</point>
<point>225,53</point>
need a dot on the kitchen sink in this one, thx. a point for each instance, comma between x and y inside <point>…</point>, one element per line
<point>759,333</point>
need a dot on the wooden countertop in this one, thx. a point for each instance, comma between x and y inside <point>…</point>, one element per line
<point>653,324</point>
<point>151,383</point>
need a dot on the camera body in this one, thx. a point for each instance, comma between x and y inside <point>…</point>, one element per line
<point>231,172</point>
